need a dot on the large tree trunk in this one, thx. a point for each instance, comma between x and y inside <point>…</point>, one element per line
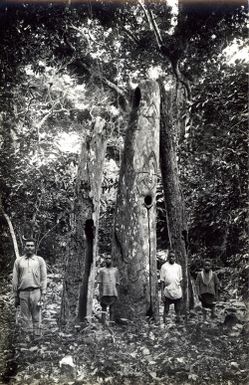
<point>79,277</point>
<point>134,240</point>
<point>177,227</point>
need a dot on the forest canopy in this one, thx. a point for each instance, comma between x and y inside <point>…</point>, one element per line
<point>123,132</point>
<point>63,65</point>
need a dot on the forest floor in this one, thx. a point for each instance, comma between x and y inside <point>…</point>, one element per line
<point>137,353</point>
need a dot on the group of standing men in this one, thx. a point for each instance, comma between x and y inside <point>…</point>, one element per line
<point>207,285</point>
<point>30,284</point>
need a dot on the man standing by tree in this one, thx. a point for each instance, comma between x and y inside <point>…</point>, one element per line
<point>108,280</point>
<point>171,290</point>
<point>207,285</point>
<point>29,286</point>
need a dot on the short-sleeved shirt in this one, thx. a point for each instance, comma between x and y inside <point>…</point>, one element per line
<point>171,275</point>
<point>108,280</point>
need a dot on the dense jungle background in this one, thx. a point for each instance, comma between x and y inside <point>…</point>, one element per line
<point>68,71</point>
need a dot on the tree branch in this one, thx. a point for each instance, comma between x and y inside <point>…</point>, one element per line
<point>46,234</point>
<point>133,38</point>
<point>11,229</point>
<point>13,235</point>
<point>110,84</point>
<point>113,86</point>
<point>43,120</point>
<point>156,29</point>
<point>152,23</point>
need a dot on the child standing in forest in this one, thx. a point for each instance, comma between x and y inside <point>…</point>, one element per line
<point>108,280</point>
<point>207,285</point>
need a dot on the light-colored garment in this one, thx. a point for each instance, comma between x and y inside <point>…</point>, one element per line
<point>30,312</point>
<point>171,275</point>
<point>29,272</point>
<point>207,283</point>
<point>108,280</point>
<point>206,277</point>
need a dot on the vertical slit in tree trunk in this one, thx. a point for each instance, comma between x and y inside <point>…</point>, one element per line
<point>136,97</point>
<point>150,312</point>
<point>89,233</point>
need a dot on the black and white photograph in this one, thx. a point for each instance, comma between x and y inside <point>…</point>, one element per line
<point>124,249</point>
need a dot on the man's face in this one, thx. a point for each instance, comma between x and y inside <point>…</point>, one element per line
<point>207,266</point>
<point>108,261</point>
<point>172,258</point>
<point>30,248</point>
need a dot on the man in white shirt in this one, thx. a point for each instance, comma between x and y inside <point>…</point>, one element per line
<point>171,290</point>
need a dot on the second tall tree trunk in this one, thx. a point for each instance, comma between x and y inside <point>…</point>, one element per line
<point>177,227</point>
<point>79,277</point>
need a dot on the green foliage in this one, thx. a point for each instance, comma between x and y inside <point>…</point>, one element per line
<point>56,62</point>
<point>214,163</point>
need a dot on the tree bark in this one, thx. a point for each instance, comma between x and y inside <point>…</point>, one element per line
<point>13,235</point>
<point>176,219</point>
<point>78,288</point>
<point>11,229</point>
<point>134,239</point>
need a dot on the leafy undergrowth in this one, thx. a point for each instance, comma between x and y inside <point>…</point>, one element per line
<point>136,353</point>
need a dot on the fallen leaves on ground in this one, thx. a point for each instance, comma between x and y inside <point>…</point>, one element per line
<point>136,353</point>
